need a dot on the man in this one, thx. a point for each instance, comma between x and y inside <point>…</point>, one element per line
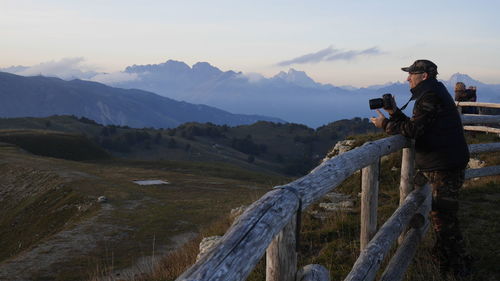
<point>463,94</point>
<point>441,157</point>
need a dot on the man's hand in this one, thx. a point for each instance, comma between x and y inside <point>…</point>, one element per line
<point>394,106</point>
<point>378,121</point>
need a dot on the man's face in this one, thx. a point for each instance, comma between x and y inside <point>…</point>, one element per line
<point>415,78</point>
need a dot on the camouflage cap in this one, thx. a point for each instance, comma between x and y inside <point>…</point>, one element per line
<point>421,66</point>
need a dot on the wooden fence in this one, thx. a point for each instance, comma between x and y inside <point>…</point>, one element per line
<point>270,224</point>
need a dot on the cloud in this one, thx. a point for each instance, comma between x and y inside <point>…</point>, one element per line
<point>252,77</point>
<point>350,55</point>
<point>309,58</point>
<point>115,77</point>
<point>66,68</point>
<point>71,68</point>
<point>330,54</point>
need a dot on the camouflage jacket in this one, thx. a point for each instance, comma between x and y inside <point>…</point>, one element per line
<point>436,127</point>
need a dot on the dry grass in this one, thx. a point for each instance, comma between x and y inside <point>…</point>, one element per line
<point>134,216</point>
<point>334,242</point>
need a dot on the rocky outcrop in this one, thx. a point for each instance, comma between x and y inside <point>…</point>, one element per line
<point>339,148</point>
<point>207,244</point>
<point>335,202</point>
<point>340,206</point>
<point>236,212</point>
<point>476,163</point>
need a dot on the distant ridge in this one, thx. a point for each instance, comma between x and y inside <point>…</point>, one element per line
<point>39,96</point>
<point>290,95</point>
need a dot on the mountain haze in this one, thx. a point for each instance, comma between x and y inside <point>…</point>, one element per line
<point>291,95</point>
<point>40,96</point>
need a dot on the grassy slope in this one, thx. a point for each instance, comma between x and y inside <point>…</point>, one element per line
<point>334,242</point>
<point>54,144</point>
<point>44,196</point>
<point>289,148</point>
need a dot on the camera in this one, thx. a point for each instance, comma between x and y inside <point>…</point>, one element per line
<point>470,93</point>
<point>385,102</point>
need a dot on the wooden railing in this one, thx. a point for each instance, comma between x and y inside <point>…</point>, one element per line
<point>270,223</point>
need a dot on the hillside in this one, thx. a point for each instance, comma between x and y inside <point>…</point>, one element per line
<point>54,144</point>
<point>291,95</point>
<point>53,227</point>
<point>331,238</point>
<point>292,149</point>
<point>39,96</point>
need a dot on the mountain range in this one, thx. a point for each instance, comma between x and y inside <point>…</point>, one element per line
<point>292,96</point>
<point>40,96</point>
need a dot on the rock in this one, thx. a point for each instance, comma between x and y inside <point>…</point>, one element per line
<point>476,163</point>
<point>102,199</point>
<point>340,206</point>
<point>335,197</point>
<point>319,215</point>
<point>338,202</point>
<point>207,244</point>
<point>339,148</point>
<point>83,207</point>
<point>236,212</point>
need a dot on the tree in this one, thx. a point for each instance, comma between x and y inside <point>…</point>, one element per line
<point>251,159</point>
<point>105,132</point>
<point>157,138</point>
<point>171,143</point>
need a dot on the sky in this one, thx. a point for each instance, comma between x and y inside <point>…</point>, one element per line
<point>356,43</point>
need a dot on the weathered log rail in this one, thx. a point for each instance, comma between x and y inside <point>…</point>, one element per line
<point>270,222</point>
<point>480,119</point>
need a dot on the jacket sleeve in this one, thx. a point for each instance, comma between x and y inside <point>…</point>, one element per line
<point>461,96</point>
<point>471,96</point>
<point>425,113</point>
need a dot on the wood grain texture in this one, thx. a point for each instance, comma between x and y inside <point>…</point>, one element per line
<point>407,174</point>
<point>480,119</point>
<point>371,257</point>
<point>369,203</point>
<point>482,172</point>
<point>478,104</point>
<point>246,241</point>
<point>271,219</point>
<point>482,129</point>
<point>405,253</point>
<point>333,172</point>
<point>281,255</point>
<point>484,147</point>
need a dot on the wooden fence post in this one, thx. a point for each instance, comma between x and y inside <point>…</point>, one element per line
<point>281,255</point>
<point>407,174</point>
<point>405,254</point>
<point>369,261</point>
<point>369,202</point>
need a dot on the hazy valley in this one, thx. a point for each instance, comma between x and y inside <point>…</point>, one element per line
<point>290,95</point>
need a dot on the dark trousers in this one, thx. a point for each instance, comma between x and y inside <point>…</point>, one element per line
<point>449,249</point>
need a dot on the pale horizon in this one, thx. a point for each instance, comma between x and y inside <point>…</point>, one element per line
<point>341,43</point>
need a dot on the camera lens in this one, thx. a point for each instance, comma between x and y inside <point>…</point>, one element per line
<point>376,103</point>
